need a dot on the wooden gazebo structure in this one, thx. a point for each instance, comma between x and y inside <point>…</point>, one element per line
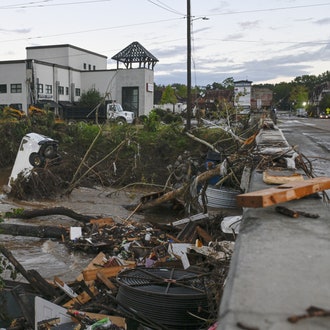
<point>135,53</point>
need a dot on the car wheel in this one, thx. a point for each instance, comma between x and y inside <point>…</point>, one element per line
<point>36,160</point>
<point>49,151</point>
<point>120,121</point>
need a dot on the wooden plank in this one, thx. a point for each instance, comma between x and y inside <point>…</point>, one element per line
<point>64,287</point>
<point>102,222</point>
<point>195,217</point>
<point>106,281</point>
<point>283,193</point>
<point>204,235</point>
<point>82,298</point>
<point>91,274</point>
<point>281,176</point>
<point>100,259</point>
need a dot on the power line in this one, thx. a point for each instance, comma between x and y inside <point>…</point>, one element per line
<point>320,42</point>
<point>270,9</point>
<point>165,7</point>
<point>91,30</point>
<point>41,4</point>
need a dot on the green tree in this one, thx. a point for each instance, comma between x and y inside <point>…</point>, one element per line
<point>91,98</point>
<point>169,96</point>
<point>228,83</point>
<point>281,95</point>
<point>298,95</point>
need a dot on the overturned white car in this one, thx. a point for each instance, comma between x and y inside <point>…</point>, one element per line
<point>35,150</point>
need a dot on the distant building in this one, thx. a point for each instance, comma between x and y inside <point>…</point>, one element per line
<point>61,73</point>
<point>261,98</point>
<point>242,94</point>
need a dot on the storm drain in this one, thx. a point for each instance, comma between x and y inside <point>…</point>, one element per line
<point>174,298</point>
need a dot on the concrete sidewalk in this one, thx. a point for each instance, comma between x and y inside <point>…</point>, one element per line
<point>281,265</point>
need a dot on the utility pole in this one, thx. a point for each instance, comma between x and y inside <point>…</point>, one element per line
<point>188,125</point>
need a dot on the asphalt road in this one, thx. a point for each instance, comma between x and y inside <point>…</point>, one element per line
<point>311,136</point>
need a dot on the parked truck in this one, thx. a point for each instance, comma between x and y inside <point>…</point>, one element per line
<point>112,111</point>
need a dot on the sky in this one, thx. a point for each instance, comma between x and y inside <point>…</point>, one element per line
<point>261,41</point>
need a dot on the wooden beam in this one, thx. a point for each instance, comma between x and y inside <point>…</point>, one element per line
<point>283,193</point>
<point>91,274</point>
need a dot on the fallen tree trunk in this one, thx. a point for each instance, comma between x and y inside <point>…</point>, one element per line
<point>178,192</point>
<point>33,231</point>
<point>28,214</point>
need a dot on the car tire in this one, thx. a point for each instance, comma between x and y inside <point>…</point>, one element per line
<point>36,160</point>
<point>48,151</point>
<point>120,121</point>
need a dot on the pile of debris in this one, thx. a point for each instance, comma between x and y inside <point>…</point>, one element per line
<point>153,276</point>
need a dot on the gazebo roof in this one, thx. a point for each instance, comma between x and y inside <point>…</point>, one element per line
<point>135,53</point>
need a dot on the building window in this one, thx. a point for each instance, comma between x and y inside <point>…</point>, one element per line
<point>3,88</point>
<point>94,67</point>
<point>60,90</point>
<point>40,88</point>
<point>85,66</point>
<point>17,106</point>
<point>131,97</point>
<point>15,88</point>
<point>66,90</point>
<point>77,91</point>
<point>49,89</point>
<point>89,67</point>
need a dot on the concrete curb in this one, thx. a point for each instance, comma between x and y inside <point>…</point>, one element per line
<point>281,265</point>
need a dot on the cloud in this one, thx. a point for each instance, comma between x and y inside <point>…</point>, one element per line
<point>233,36</point>
<point>323,21</point>
<point>249,24</point>
<point>20,31</point>
<point>262,70</point>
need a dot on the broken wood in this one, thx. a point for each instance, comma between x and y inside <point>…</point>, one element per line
<point>106,281</point>
<point>82,298</point>
<point>173,194</point>
<point>204,235</point>
<point>91,274</point>
<point>102,222</point>
<point>64,287</point>
<point>308,215</point>
<point>270,176</point>
<point>283,193</point>
<point>286,211</point>
<point>311,312</point>
<point>195,217</point>
<point>293,213</point>
<point>28,214</point>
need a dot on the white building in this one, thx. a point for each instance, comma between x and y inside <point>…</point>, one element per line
<point>242,94</point>
<point>61,73</point>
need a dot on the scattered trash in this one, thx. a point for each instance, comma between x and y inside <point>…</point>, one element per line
<point>231,224</point>
<point>137,268</point>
